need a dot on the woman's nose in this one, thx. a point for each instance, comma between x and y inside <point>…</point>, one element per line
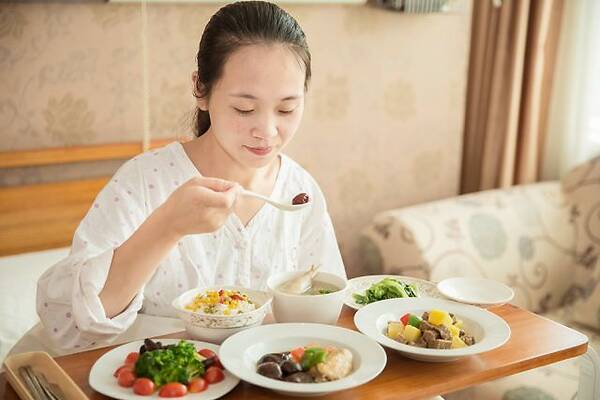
<point>265,129</point>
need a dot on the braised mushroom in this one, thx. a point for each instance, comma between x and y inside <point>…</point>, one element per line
<point>289,367</point>
<point>299,377</point>
<point>273,357</point>
<point>270,370</point>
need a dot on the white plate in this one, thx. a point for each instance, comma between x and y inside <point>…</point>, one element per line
<point>240,352</point>
<point>362,283</point>
<point>489,330</point>
<point>479,291</point>
<point>103,381</point>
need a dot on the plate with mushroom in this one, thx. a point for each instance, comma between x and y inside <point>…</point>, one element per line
<point>303,359</point>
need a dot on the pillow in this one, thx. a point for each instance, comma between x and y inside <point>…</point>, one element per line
<point>18,282</point>
<point>581,187</point>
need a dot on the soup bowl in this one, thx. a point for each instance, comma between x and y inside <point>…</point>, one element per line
<point>316,308</point>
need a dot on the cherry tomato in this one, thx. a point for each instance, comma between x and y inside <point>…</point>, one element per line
<point>126,379</point>
<point>123,368</point>
<point>217,362</point>
<point>197,385</point>
<point>206,353</point>
<point>143,386</point>
<point>214,375</point>
<point>173,389</point>
<point>297,354</point>
<point>132,357</point>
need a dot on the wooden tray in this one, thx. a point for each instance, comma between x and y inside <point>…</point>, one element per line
<point>40,361</point>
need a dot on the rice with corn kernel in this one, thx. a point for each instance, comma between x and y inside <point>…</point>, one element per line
<point>221,302</point>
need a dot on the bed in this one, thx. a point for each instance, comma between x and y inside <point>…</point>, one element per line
<point>37,222</point>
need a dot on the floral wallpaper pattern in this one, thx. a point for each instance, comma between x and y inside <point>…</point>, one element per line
<point>12,23</point>
<point>399,100</point>
<point>69,120</point>
<point>384,112</point>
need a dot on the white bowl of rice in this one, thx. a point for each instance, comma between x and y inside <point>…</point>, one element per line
<point>221,307</point>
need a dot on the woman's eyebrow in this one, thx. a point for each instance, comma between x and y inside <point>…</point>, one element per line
<point>243,95</point>
<point>252,97</point>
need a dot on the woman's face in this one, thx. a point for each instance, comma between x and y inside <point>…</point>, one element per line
<point>256,106</point>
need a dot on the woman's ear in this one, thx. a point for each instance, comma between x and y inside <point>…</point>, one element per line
<point>201,102</point>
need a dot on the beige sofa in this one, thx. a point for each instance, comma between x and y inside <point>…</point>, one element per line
<point>542,239</point>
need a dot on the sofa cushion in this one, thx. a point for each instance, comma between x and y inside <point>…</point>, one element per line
<point>520,236</point>
<point>18,280</point>
<point>581,188</point>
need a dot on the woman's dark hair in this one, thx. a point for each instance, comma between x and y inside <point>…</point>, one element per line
<point>240,24</point>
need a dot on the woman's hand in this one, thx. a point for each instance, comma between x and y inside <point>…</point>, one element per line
<point>200,205</point>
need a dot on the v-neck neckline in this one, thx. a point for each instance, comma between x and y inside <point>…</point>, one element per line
<point>234,220</point>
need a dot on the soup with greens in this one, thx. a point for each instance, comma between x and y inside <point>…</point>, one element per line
<point>318,288</point>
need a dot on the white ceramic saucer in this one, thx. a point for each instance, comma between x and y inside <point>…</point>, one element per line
<point>479,291</point>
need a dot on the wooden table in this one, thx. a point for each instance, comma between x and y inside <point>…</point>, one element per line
<point>402,378</point>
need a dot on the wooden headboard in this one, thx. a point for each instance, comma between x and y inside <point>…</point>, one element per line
<point>45,216</point>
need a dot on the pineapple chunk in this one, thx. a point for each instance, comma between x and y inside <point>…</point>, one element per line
<point>395,329</point>
<point>411,334</point>
<point>454,330</point>
<point>438,317</point>
<point>458,323</point>
<point>457,343</point>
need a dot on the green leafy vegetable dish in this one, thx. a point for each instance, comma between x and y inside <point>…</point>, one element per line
<point>173,363</point>
<point>387,288</point>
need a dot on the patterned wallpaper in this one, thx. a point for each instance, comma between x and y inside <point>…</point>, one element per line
<point>384,114</point>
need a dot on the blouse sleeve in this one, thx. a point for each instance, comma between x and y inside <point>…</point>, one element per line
<point>319,245</point>
<point>68,300</point>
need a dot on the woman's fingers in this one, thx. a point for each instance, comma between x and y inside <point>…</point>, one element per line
<point>217,199</point>
<point>216,184</point>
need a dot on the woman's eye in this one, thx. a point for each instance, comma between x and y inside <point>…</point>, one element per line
<point>286,111</point>
<point>244,112</point>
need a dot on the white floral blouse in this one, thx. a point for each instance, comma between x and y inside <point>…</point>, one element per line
<point>273,241</point>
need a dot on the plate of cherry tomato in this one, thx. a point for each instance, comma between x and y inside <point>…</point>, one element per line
<point>126,373</point>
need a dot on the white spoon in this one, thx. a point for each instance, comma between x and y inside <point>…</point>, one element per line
<point>282,206</point>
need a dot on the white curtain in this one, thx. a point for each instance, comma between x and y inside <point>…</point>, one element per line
<point>573,134</point>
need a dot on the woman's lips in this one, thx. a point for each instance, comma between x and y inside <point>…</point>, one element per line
<point>259,151</point>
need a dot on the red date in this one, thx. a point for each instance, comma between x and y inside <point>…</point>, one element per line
<point>300,198</point>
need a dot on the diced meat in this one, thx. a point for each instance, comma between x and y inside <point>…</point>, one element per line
<point>453,318</point>
<point>401,340</point>
<point>442,344</point>
<point>429,337</point>
<point>469,340</point>
<point>426,326</point>
<point>444,332</point>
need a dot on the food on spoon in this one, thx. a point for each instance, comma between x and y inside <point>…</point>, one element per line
<point>387,288</point>
<point>436,329</point>
<point>311,364</point>
<point>300,198</point>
